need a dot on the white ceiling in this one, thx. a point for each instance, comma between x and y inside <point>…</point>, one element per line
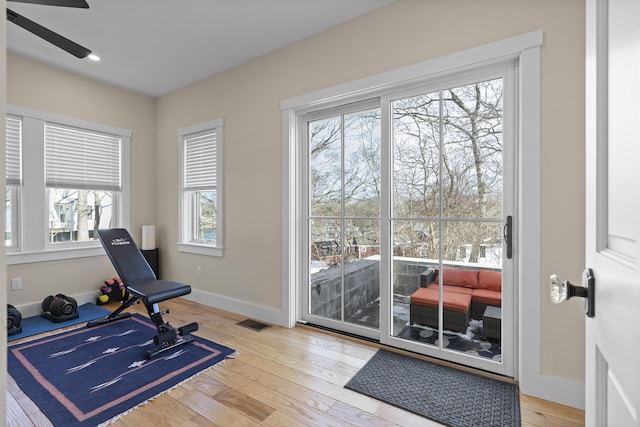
<point>156,46</point>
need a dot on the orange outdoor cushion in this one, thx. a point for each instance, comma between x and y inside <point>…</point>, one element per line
<point>452,288</point>
<point>450,300</point>
<point>467,278</point>
<point>487,296</point>
<point>490,280</point>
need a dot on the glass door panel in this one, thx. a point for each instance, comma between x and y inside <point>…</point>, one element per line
<point>447,219</point>
<point>344,220</point>
<point>471,280</point>
<point>415,303</point>
<point>362,272</point>
<point>325,166</point>
<point>325,268</point>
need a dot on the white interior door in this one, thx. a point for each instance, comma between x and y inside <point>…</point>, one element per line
<point>613,212</point>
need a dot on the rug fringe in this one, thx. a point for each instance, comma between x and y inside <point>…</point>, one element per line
<point>117,417</point>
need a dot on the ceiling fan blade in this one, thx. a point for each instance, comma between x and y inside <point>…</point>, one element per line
<point>66,3</point>
<point>62,42</point>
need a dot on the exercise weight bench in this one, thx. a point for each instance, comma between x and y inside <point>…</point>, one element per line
<point>142,284</point>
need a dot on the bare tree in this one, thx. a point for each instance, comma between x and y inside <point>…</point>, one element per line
<point>82,208</point>
<point>473,134</point>
<point>446,168</point>
<point>344,164</point>
<point>447,155</point>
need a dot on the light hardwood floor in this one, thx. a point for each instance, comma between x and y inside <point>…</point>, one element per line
<point>280,377</point>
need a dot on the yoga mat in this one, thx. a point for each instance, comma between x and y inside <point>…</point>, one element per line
<point>36,324</point>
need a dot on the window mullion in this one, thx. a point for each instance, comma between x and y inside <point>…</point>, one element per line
<point>440,215</point>
<point>33,209</point>
<point>342,215</point>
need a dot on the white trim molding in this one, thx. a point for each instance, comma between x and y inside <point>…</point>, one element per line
<point>533,381</point>
<point>257,312</point>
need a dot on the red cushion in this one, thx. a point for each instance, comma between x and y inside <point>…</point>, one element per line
<point>490,280</point>
<point>452,288</point>
<point>487,296</point>
<point>467,278</point>
<point>450,300</point>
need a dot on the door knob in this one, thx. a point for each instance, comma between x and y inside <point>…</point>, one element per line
<point>562,290</point>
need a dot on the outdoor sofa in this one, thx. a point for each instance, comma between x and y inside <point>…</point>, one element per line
<point>465,295</point>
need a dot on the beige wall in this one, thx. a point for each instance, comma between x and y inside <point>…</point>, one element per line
<point>248,99</point>
<point>43,88</point>
<point>407,32</point>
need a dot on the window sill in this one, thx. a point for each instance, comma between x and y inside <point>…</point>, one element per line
<point>194,248</point>
<point>52,255</point>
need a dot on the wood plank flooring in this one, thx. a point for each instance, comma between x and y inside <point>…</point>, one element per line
<point>280,377</point>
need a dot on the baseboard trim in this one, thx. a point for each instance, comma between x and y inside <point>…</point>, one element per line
<point>556,389</point>
<point>256,312</point>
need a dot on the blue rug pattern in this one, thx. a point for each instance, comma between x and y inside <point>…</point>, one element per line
<point>88,376</point>
<point>36,324</point>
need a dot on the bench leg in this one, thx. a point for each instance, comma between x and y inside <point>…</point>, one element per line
<point>168,337</point>
<point>117,314</point>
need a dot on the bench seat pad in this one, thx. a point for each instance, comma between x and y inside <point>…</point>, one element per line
<point>155,291</point>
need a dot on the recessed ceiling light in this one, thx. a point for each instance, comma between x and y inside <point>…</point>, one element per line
<point>94,57</point>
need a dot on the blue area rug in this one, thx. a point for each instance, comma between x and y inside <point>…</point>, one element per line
<point>88,376</point>
<point>445,395</point>
<point>36,325</point>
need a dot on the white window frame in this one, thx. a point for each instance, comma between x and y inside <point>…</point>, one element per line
<point>185,212</point>
<point>33,245</point>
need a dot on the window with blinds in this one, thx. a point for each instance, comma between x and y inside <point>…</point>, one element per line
<point>201,188</point>
<point>14,150</point>
<point>82,175</point>
<point>81,159</point>
<point>13,153</point>
<point>200,165</point>
<point>65,179</point>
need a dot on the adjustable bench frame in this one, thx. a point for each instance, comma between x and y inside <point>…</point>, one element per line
<point>142,284</point>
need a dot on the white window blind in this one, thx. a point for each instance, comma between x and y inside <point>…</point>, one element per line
<point>200,165</point>
<point>13,151</point>
<point>81,159</point>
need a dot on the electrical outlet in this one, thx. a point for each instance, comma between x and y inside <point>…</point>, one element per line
<point>16,283</point>
<point>199,272</point>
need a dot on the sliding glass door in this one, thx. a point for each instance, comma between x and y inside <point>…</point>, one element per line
<point>409,198</point>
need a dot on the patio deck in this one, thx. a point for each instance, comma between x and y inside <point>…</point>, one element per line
<point>473,341</point>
